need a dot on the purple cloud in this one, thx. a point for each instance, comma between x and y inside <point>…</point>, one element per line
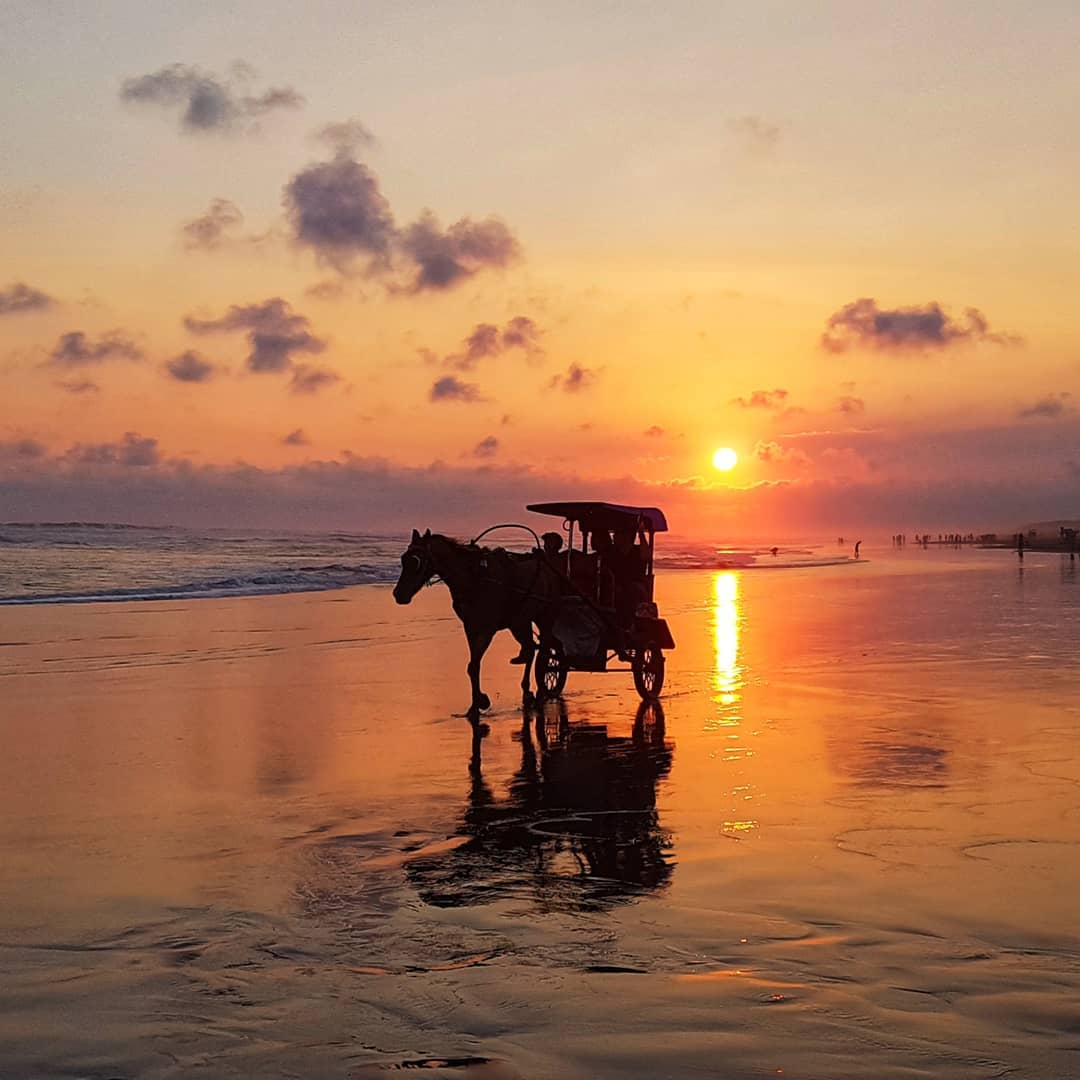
<point>275,333</point>
<point>132,450</point>
<point>207,102</point>
<point>75,349</point>
<point>310,380</point>
<point>451,388</point>
<point>189,367</point>
<point>445,258</point>
<point>863,323</point>
<point>19,298</point>
<point>575,379</point>
<point>209,231</point>
<point>1047,408</point>
<point>486,448</point>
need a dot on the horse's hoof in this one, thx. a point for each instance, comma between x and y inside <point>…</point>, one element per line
<point>482,702</point>
<point>528,699</point>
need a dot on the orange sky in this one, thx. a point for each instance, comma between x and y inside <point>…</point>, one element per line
<point>652,219</point>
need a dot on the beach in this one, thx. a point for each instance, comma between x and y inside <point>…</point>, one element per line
<point>256,836</point>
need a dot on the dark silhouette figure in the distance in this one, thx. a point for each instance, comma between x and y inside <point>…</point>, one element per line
<point>578,828</point>
<point>858,544</point>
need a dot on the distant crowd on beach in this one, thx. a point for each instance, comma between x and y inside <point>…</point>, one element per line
<point>945,539</point>
<point>1067,540</point>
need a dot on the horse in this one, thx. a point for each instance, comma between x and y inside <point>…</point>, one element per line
<point>491,590</point>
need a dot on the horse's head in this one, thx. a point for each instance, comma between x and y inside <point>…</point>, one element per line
<point>417,567</point>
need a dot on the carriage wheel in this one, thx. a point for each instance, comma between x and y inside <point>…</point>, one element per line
<point>551,670</point>
<point>648,668</point>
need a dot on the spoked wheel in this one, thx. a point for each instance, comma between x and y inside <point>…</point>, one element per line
<point>551,670</point>
<point>648,668</point>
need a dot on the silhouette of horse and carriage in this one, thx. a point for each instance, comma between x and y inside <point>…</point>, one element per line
<point>573,608</point>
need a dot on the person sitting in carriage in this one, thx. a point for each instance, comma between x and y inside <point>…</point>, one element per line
<point>628,561</point>
<point>551,545</point>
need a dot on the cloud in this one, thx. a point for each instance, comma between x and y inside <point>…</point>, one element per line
<point>976,480</point>
<point>576,379</point>
<point>208,232</point>
<point>773,453</point>
<point>336,209</point>
<point>19,298</point>
<point>296,438</point>
<point>310,380</point>
<point>762,399</point>
<point>133,450</point>
<point>851,405</point>
<point>483,341</point>
<point>863,323</point>
<point>451,388</point>
<point>1048,408</point>
<point>486,448</point>
<point>21,450</point>
<point>79,386</point>
<point>447,258</point>
<point>655,432</point>
<point>275,333</point>
<point>757,135</point>
<point>189,367</point>
<point>75,349</point>
<point>207,102</point>
<point>487,340</point>
<point>346,136</point>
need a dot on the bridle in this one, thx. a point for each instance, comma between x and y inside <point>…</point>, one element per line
<point>420,557</point>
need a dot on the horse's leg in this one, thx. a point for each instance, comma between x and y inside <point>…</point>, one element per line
<point>479,640</point>
<point>523,636</point>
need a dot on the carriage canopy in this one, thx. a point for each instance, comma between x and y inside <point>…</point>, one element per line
<point>602,515</point>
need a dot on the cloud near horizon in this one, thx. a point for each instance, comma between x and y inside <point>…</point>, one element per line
<point>1047,408</point>
<point>762,399</point>
<point>208,102</point>
<point>133,450</point>
<point>130,480</point>
<point>862,323</point>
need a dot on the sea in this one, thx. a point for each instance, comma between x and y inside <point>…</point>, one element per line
<point>84,562</point>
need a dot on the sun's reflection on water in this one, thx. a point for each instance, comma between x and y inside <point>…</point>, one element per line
<point>727,680</point>
<point>726,621</point>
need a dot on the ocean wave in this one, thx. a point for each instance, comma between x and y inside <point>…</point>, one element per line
<point>284,580</point>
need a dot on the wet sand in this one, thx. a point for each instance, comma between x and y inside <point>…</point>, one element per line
<point>250,837</point>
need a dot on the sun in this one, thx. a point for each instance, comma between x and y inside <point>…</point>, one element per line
<point>725,459</point>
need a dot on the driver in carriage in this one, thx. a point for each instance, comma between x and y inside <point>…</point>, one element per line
<point>628,560</point>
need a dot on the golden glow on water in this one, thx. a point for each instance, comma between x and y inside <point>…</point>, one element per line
<point>726,620</point>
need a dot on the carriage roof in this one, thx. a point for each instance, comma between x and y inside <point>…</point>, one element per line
<point>602,515</point>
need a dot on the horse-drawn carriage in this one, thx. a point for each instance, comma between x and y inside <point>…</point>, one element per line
<point>590,603</point>
<point>606,611</point>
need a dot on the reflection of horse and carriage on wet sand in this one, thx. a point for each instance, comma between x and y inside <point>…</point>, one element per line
<point>577,828</point>
<point>574,607</point>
